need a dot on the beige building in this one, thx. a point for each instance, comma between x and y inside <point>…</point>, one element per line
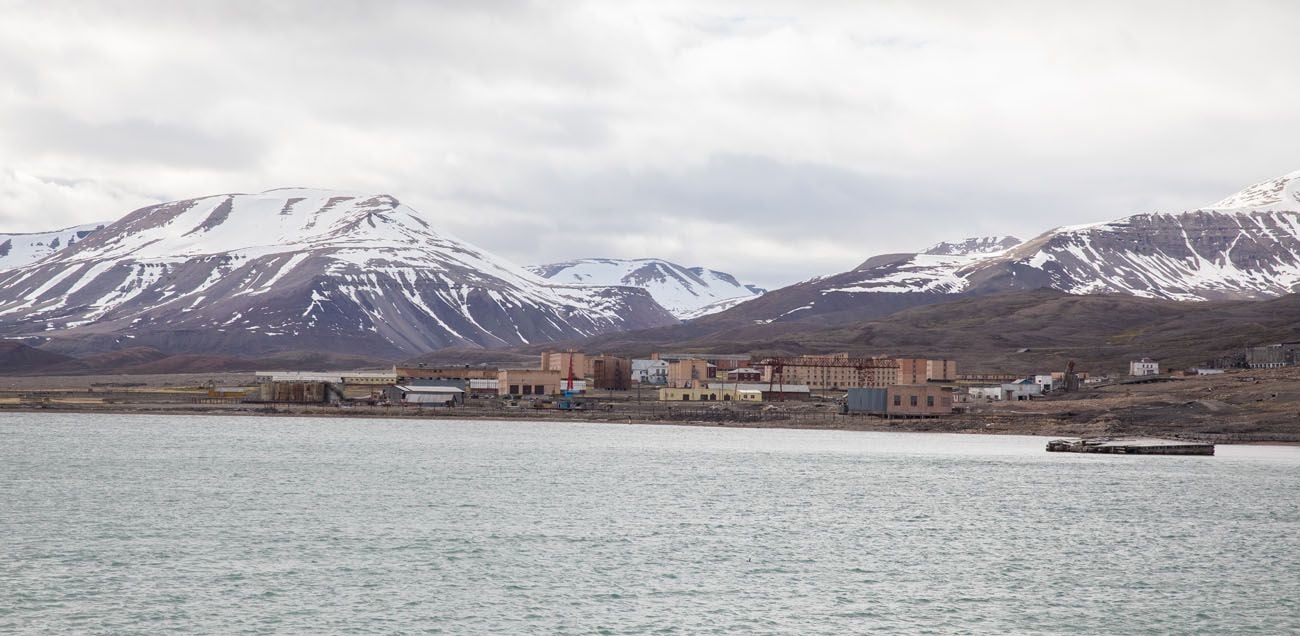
<point>833,372</point>
<point>918,400</point>
<point>405,375</point>
<point>922,370</point>
<point>528,382</point>
<point>709,394</point>
<point>689,372</point>
<point>559,361</point>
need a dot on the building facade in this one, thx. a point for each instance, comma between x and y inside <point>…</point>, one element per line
<point>690,372</point>
<point>1145,366</point>
<point>831,372</point>
<point>650,371</point>
<point>528,382</point>
<point>918,400</point>
<point>922,370</point>
<point>709,394</point>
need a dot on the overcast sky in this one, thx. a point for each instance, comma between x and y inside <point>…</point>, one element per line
<point>777,141</point>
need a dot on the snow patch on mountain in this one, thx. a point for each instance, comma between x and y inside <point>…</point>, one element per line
<point>1281,193</point>
<point>686,292</point>
<point>972,246</point>
<point>17,250</point>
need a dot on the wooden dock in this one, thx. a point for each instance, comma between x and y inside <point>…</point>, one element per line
<point>1130,446</point>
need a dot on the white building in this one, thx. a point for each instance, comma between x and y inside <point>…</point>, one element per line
<point>650,371</point>
<point>1025,389</point>
<point>1044,380</point>
<point>985,393</point>
<point>1145,366</point>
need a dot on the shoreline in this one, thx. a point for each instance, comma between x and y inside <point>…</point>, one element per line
<point>1028,426</point>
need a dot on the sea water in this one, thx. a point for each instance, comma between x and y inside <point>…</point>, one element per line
<point>210,524</point>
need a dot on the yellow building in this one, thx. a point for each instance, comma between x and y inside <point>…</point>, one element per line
<point>713,394</point>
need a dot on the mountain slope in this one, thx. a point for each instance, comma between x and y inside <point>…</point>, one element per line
<point>687,292</point>
<point>17,250</point>
<point>1246,246</point>
<point>297,269</point>
<point>1013,332</point>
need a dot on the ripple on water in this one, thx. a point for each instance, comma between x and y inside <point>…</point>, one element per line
<point>226,525</point>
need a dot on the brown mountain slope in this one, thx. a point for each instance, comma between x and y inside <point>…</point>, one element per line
<point>1012,332</point>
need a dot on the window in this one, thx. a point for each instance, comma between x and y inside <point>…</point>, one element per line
<point>898,400</point>
<point>539,389</point>
<point>686,397</point>
<point>514,389</point>
<point>929,400</point>
<point>528,389</point>
<point>913,400</point>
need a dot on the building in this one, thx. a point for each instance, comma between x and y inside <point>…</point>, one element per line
<point>986,378</point>
<point>771,392</point>
<point>744,374</point>
<point>528,382</point>
<point>690,372</point>
<point>1025,389</point>
<point>866,400</point>
<point>425,395</point>
<point>650,371</point>
<point>922,370</point>
<point>1283,354</point>
<point>918,400</point>
<point>1145,366</point>
<point>1046,380</point>
<point>831,372</point>
<point>482,387</point>
<point>985,393</point>
<point>562,361</point>
<point>422,374</point>
<point>709,394</point>
<point>367,378</point>
<point>719,360</point>
<point>609,373</point>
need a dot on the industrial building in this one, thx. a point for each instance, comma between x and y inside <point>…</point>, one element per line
<point>830,372</point>
<point>709,394</point>
<point>425,395</point>
<point>528,382</point>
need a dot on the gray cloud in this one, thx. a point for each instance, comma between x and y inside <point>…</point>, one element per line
<point>777,140</point>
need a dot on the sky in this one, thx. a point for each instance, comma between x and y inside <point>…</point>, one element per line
<point>773,140</point>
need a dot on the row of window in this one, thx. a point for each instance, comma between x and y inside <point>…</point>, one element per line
<point>898,400</point>
<point>528,389</point>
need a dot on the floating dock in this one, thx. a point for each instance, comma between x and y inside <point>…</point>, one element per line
<point>1130,446</point>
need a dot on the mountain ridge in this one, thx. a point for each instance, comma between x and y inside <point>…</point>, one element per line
<point>292,269</point>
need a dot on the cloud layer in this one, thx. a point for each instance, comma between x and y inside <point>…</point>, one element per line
<point>767,139</point>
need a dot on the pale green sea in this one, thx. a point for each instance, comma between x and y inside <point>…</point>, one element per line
<point>224,525</point>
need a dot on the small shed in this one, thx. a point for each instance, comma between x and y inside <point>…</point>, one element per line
<point>425,395</point>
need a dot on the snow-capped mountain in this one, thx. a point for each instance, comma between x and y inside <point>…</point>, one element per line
<point>687,292</point>
<point>299,269</point>
<point>1246,246</point>
<point>17,250</point>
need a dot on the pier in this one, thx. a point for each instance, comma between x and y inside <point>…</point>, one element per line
<point>1130,446</point>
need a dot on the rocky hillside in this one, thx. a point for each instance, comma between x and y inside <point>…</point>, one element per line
<point>296,269</point>
<point>687,292</point>
<point>1246,246</point>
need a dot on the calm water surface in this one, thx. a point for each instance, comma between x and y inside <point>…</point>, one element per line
<point>257,525</point>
